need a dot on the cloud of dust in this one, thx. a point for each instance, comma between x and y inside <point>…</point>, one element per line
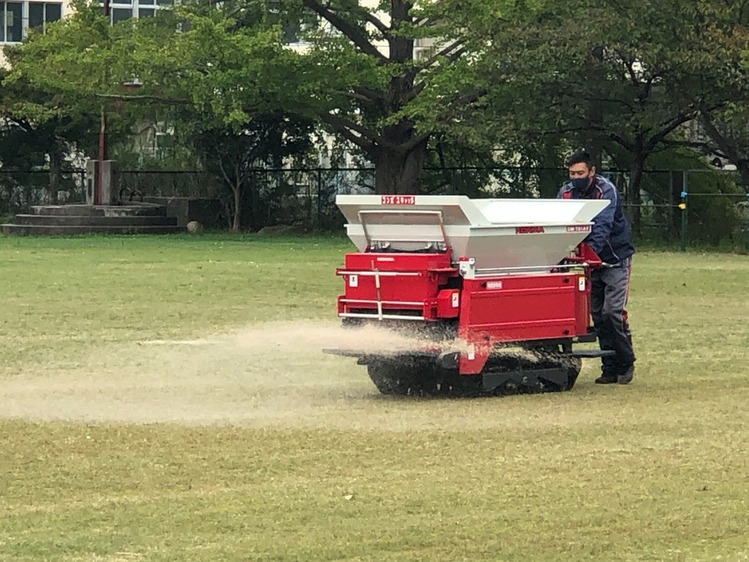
<point>266,375</point>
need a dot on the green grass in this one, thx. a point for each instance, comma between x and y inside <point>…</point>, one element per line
<point>59,294</point>
<point>308,462</point>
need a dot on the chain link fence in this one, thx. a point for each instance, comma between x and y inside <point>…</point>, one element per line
<point>21,190</point>
<point>682,208</point>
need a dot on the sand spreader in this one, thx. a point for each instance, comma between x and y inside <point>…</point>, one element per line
<point>492,295</point>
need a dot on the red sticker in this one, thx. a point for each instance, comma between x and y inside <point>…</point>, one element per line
<point>398,200</point>
<point>529,230</point>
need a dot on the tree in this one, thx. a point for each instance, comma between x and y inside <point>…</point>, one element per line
<point>376,72</point>
<point>222,82</point>
<point>359,75</point>
<point>51,92</point>
<point>236,155</point>
<point>726,124</point>
<point>604,74</point>
<point>36,131</point>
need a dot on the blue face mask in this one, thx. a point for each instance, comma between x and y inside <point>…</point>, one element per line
<point>580,184</point>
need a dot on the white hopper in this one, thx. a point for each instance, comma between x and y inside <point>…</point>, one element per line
<point>498,233</point>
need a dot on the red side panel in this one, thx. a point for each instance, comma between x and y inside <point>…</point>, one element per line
<point>394,283</point>
<point>520,308</point>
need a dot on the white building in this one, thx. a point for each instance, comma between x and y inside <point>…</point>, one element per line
<point>20,17</point>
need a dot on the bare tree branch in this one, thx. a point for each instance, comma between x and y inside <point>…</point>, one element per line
<point>415,91</point>
<point>372,95</point>
<point>356,34</point>
<point>629,146</point>
<point>354,95</point>
<point>718,138</point>
<point>346,129</point>
<point>160,99</point>
<point>416,141</point>
<point>444,52</point>
<point>667,130</point>
<point>375,22</point>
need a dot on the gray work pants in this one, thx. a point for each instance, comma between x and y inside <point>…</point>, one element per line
<point>608,299</point>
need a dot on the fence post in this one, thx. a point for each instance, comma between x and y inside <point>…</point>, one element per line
<point>319,197</point>
<point>684,212</point>
<point>670,208</point>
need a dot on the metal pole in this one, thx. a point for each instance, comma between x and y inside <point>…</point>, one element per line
<point>319,197</point>
<point>684,212</point>
<point>670,209</point>
<point>99,191</point>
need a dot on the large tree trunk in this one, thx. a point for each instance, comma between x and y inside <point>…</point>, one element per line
<point>236,223</point>
<point>398,171</point>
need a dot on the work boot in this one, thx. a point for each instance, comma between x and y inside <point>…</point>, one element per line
<point>607,379</point>
<point>626,376</point>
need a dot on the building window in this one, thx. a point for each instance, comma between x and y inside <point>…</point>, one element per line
<point>119,14</point>
<point>124,9</point>
<point>42,13</point>
<point>12,18</point>
<point>18,17</point>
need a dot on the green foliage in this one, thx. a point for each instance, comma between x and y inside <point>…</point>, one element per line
<point>235,155</point>
<point>507,83</point>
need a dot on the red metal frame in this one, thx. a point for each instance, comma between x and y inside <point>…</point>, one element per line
<point>495,309</point>
<point>395,284</point>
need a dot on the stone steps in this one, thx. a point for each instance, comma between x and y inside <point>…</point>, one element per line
<point>84,220</point>
<point>67,220</point>
<point>46,230</point>
<point>125,210</point>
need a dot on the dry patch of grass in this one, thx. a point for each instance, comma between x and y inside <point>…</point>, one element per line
<point>233,438</point>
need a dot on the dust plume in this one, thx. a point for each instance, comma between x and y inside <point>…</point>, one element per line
<point>267,374</point>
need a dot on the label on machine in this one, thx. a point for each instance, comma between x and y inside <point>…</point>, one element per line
<point>353,280</point>
<point>398,200</point>
<point>579,228</point>
<point>529,230</point>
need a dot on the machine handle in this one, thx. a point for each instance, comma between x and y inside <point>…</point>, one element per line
<point>382,212</point>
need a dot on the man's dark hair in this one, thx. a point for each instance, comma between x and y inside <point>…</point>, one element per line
<point>580,156</point>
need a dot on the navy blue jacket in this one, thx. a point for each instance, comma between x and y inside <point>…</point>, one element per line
<point>610,236</point>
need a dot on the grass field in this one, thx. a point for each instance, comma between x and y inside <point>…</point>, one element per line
<point>166,399</point>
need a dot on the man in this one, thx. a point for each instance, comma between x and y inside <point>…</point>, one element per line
<point>611,239</point>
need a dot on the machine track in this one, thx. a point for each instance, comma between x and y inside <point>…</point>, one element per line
<point>516,370</point>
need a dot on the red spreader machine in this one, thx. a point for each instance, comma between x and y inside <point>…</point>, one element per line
<point>490,294</point>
